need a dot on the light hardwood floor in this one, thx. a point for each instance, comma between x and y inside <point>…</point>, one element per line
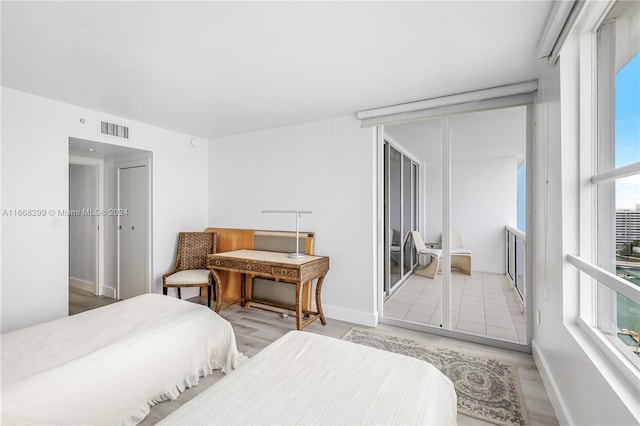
<point>255,329</point>
<point>82,300</point>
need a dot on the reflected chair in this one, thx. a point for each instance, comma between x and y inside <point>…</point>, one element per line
<point>190,268</point>
<point>432,268</point>
<point>460,256</point>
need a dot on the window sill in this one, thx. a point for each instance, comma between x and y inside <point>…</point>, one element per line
<point>617,370</point>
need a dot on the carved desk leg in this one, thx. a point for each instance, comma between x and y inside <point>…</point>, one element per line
<point>318,301</point>
<point>243,289</point>
<point>299,292</point>
<point>216,277</point>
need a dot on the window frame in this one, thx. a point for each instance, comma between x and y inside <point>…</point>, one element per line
<point>595,282</point>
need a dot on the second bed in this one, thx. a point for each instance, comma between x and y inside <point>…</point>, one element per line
<point>305,379</point>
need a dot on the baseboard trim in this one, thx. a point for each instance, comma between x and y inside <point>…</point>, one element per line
<point>82,284</point>
<point>555,396</point>
<point>369,319</point>
<point>109,291</point>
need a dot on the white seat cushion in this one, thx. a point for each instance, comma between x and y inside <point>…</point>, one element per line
<point>434,252</point>
<point>194,276</point>
<point>461,251</point>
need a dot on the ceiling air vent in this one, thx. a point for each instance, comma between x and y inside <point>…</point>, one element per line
<point>114,130</point>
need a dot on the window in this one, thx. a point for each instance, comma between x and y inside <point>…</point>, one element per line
<point>618,148</point>
<point>610,297</point>
<point>401,203</point>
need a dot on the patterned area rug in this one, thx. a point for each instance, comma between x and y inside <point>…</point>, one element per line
<point>487,388</point>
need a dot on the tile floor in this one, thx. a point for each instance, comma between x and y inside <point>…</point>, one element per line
<point>483,304</point>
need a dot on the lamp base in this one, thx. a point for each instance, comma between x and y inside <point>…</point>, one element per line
<point>297,255</point>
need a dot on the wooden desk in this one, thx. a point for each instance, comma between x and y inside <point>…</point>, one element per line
<point>276,266</point>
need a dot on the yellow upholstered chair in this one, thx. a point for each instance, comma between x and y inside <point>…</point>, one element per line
<point>190,268</point>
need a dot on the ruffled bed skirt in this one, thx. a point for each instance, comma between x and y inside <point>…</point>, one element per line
<point>178,388</point>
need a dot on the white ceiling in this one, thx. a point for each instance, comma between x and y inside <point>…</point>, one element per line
<point>477,135</point>
<point>213,69</point>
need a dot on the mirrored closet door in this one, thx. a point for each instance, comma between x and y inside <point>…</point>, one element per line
<point>456,181</point>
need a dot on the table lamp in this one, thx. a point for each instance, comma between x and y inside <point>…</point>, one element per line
<point>298,213</point>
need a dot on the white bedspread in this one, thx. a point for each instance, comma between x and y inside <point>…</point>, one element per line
<point>109,365</point>
<point>304,379</point>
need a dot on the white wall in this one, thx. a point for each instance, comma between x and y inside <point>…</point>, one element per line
<point>484,148</point>
<point>82,195</point>
<point>583,387</point>
<point>483,201</point>
<point>35,134</point>
<point>327,167</point>
<point>432,199</point>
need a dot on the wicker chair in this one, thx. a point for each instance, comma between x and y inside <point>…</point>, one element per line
<point>190,269</point>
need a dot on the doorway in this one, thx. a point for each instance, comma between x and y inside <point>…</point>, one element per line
<point>109,159</point>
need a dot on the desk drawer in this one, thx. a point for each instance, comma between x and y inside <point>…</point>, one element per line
<point>282,272</point>
<point>232,264</point>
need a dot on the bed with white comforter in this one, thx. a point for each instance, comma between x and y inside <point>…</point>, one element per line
<point>109,365</point>
<point>305,379</point>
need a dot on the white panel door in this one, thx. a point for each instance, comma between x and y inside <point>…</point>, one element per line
<point>132,238</point>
